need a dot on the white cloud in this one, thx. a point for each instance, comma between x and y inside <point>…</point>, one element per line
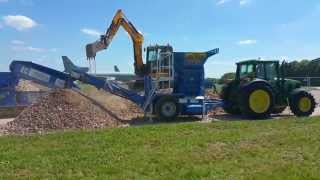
<point>247,42</point>
<point>19,22</point>
<point>20,46</point>
<point>34,49</point>
<point>244,2</point>
<point>241,2</point>
<point>91,32</point>
<point>221,2</point>
<point>17,42</point>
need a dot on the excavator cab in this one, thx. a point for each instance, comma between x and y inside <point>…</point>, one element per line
<point>159,65</point>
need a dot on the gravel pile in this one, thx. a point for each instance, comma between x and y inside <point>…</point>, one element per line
<point>26,85</point>
<point>217,111</point>
<point>123,108</point>
<point>60,110</point>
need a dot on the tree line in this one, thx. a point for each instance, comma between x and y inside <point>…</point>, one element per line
<point>304,68</point>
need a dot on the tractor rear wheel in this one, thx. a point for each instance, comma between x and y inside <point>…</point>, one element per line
<point>302,103</point>
<point>257,101</point>
<point>167,108</point>
<point>229,105</point>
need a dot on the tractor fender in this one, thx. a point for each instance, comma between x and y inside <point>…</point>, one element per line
<point>256,82</point>
<point>296,91</point>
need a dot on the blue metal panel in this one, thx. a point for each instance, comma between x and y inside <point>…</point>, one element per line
<point>193,109</point>
<point>7,80</point>
<point>27,98</point>
<point>7,98</point>
<point>11,98</point>
<point>197,109</point>
<point>41,74</point>
<point>109,86</point>
<point>189,75</point>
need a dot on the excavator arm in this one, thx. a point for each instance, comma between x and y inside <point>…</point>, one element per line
<point>105,40</point>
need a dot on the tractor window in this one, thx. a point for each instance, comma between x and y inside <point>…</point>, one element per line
<point>271,71</point>
<point>243,69</point>
<point>250,68</point>
<point>260,71</point>
<point>246,70</point>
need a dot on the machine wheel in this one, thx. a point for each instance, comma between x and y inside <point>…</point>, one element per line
<point>257,101</point>
<point>302,103</point>
<point>229,107</point>
<point>167,108</point>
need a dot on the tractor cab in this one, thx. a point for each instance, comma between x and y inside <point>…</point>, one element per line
<point>252,69</point>
<point>269,71</point>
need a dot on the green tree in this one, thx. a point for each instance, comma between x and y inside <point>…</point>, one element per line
<point>227,77</point>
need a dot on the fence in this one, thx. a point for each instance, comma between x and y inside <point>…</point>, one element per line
<point>308,81</point>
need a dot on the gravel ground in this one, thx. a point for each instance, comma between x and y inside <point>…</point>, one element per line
<point>5,121</point>
<point>316,94</point>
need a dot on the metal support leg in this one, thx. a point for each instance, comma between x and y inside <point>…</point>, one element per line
<point>148,113</point>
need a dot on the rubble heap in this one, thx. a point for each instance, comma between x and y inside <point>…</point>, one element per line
<point>60,110</point>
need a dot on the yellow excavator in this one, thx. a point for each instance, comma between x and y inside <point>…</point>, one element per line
<point>120,20</point>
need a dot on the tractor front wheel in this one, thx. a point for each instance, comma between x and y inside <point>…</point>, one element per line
<point>302,103</point>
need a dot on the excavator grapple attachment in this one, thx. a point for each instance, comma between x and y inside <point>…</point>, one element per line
<point>93,48</point>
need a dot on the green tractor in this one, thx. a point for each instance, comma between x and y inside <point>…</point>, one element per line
<point>260,89</point>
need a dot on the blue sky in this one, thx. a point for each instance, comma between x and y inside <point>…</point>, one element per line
<point>44,30</point>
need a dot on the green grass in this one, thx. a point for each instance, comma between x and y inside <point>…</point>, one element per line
<point>275,149</point>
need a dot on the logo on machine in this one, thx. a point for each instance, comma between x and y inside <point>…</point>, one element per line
<point>195,58</point>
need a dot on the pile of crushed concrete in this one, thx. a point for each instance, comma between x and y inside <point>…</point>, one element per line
<point>26,85</point>
<point>67,109</point>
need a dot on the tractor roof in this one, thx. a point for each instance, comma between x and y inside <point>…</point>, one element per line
<point>254,61</point>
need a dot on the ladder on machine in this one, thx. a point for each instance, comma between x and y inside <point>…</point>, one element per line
<point>163,71</point>
<point>162,76</point>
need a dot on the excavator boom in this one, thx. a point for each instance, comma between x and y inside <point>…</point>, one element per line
<point>137,38</point>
